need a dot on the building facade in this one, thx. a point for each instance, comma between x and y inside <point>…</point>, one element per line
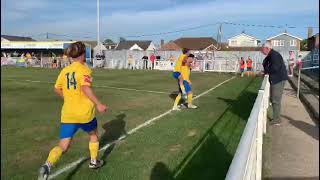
<point>285,42</point>
<point>243,40</point>
<point>313,47</point>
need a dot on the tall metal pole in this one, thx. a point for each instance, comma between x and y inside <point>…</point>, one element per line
<point>98,26</point>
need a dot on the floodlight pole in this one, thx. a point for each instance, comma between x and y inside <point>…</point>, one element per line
<point>98,26</point>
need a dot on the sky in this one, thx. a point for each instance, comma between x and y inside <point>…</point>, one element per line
<point>77,19</point>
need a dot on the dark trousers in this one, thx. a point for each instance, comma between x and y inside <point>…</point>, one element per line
<point>276,91</point>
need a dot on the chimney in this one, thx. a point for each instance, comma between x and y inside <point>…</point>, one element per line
<point>162,43</point>
<point>310,32</point>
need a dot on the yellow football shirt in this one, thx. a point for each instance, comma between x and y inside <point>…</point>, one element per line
<point>77,107</point>
<point>185,72</point>
<point>177,68</point>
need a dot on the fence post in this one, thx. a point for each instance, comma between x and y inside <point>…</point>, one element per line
<point>298,89</point>
<point>260,139</point>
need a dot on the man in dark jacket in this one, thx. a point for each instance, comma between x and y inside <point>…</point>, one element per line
<point>274,66</point>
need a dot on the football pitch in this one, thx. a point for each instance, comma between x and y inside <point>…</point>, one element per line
<point>166,145</point>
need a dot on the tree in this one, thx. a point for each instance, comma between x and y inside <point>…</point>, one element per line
<point>122,39</point>
<point>304,45</point>
<point>108,41</point>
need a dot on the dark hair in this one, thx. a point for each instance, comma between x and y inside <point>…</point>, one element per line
<point>185,50</point>
<point>75,49</point>
<point>191,55</point>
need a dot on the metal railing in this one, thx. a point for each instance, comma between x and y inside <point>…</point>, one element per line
<point>247,161</point>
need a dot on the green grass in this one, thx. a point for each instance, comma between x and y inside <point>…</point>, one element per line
<point>191,144</point>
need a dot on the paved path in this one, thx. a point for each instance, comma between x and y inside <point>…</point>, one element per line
<point>294,148</point>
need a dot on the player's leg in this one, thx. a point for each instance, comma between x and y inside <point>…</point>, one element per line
<point>91,129</point>
<point>182,87</point>
<point>66,133</point>
<point>176,102</point>
<point>190,95</point>
<point>177,75</point>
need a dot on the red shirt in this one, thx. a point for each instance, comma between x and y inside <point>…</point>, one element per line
<point>152,58</point>
<point>242,64</point>
<point>249,63</point>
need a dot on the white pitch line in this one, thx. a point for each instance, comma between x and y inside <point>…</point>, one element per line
<point>110,87</point>
<point>129,89</point>
<point>75,163</point>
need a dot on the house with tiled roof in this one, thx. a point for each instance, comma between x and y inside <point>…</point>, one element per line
<point>285,42</point>
<point>170,46</point>
<point>136,45</point>
<point>192,43</point>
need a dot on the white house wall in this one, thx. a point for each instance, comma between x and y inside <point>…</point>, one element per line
<point>243,41</point>
<point>136,47</point>
<point>151,47</point>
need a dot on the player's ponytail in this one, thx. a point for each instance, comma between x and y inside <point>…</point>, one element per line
<point>191,55</point>
<point>185,50</point>
<point>75,49</point>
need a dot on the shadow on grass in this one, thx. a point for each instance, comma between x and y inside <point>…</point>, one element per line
<point>173,94</point>
<point>210,161</point>
<point>113,130</point>
<point>210,158</point>
<point>242,105</point>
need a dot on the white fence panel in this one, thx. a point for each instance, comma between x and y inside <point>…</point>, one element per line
<point>247,161</point>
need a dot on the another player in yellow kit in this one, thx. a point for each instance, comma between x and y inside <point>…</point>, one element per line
<point>185,73</point>
<point>177,72</point>
<point>78,111</point>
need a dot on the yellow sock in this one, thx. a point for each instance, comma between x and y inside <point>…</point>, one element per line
<point>177,100</point>
<point>190,99</point>
<point>54,155</point>
<point>94,148</point>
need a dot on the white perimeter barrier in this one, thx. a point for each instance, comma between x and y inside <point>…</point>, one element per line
<point>247,161</point>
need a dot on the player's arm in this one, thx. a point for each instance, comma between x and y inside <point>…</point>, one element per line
<point>86,81</point>
<point>59,92</point>
<point>90,94</point>
<point>58,86</point>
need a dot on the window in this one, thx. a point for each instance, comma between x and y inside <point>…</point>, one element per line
<point>233,42</point>
<point>276,42</point>
<point>293,42</point>
<point>281,43</point>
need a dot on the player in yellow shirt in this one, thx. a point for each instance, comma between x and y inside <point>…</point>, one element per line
<point>78,111</point>
<point>177,72</point>
<point>185,73</point>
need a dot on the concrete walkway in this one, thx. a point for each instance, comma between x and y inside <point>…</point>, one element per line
<point>293,151</point>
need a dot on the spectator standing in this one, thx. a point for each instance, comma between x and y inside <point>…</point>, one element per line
<point>145,62</point>
<point>54,60</point>
<point>152,59</point>
<point>291,63</point>
<point>274,66</point>
<point>242,65</point>
<point>130,62</point>
<point>29,59</point>
<point>249,66</point>
<point>65,61</point>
